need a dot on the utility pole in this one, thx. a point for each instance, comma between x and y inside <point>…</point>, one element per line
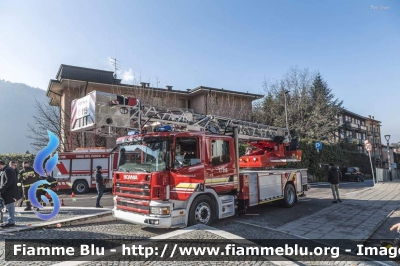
<point>387,137</point>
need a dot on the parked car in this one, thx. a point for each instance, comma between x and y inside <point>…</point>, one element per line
<point>353,173</point>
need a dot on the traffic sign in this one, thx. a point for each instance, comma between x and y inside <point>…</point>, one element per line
<point>318,146</point>
<point>368,146</point>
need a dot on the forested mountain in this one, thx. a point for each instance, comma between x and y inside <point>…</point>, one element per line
<point>17,107</point>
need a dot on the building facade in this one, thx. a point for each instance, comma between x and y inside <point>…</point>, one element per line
<point>356,128</point>
<point>375,138</point>
<point>385,161</point>
<point>73,82</point>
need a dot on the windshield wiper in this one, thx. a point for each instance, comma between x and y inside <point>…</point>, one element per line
<point>141,169</point>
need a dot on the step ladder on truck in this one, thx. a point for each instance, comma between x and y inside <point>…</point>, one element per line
<point>178,168</point>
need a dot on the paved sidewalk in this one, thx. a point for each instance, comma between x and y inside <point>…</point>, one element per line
<point>353,218</point>
<point>27,220</point>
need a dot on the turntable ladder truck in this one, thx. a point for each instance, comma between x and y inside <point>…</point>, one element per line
<point>178,168</point>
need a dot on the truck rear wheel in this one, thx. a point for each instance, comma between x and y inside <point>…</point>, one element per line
<point>80,187</point>
<point>202,211</point>
<point>289,197</point>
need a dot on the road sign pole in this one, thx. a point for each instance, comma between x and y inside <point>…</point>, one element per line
<point>368,147</point>
<point>372,168</point>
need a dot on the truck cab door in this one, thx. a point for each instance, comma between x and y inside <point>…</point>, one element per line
<point>187,169</point>
<point>220,171</point>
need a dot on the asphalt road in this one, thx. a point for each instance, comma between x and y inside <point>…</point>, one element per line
<point>270,214</point>
<point>87,200</point>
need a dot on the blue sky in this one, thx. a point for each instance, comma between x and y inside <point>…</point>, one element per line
<point>223,44</point>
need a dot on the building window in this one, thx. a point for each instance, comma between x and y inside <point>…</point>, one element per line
<point>181,103</point>
<point>157,101</point>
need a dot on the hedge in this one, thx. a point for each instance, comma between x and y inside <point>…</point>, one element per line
<point>340,154</point>
<point>19,158</point>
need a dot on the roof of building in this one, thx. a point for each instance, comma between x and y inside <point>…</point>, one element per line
<point>107,77</point>
<point>86,74</point>
<point>345,111</point>
<point>205,88</point>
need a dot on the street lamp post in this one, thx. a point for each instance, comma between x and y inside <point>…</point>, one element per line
<point>387,137</point>
<point>287,126</point>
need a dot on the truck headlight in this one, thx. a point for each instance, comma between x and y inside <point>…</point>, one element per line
<point>159,210</point>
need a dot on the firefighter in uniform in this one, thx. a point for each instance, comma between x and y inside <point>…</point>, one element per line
<point>40,191</point>
<point>28,177</point>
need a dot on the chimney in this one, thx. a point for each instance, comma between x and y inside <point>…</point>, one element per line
<point>147,85</point>
<point>143,84</point>
<point>169,88</point>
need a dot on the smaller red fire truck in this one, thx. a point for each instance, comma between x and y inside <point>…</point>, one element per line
<point>76,170</point>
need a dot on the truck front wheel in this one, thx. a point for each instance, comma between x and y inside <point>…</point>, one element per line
<point>202,211</point>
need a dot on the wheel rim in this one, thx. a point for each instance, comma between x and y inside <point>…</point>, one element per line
<point>290,195</point>
<point>80,187</point>
<point>202,213</point>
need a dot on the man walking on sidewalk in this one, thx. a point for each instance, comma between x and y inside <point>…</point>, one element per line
<point>99,186</point>
<point>334,177</point>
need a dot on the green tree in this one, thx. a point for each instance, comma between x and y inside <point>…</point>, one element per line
<point>311,106</point>
<point>323,109</point>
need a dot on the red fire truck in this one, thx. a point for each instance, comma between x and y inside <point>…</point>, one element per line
<point>76,170</point>
<point>180,168</point>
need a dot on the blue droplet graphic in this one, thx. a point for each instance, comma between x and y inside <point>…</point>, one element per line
<point>43,154</point>
<point>38,167</point>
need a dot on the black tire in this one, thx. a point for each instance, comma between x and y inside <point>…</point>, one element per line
<point>202,211</point>
<point>289,196</point>
<point>80,187</point>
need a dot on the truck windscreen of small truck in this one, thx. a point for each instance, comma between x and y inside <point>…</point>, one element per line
<point>143,157</point>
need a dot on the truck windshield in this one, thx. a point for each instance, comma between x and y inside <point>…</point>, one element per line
<point>143,157</point>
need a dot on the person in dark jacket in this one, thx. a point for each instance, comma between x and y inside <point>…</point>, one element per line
<point>99,185</point>
<point>9,191</point>
<point>334,177</point>
<point>28,177</point>
<point>14,166</point>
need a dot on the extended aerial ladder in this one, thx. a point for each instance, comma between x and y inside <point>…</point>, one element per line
<point>105,114</point>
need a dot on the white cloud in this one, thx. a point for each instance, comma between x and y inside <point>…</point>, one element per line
<point>128,75</point>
